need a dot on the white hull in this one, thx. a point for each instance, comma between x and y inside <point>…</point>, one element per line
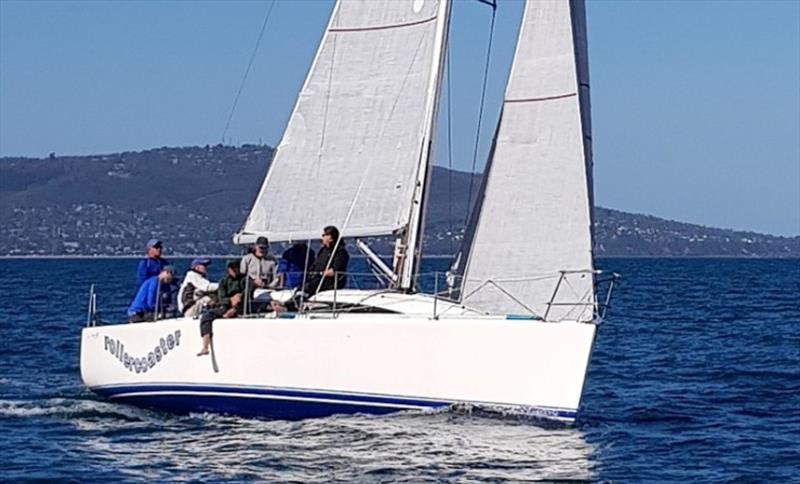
<point>316,364</point>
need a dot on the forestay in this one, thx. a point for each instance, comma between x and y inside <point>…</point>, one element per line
<point>533,217</point>
<point>350,153</point>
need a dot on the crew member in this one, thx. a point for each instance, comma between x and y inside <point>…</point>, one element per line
<point>231,303</point>
<point>149,297</point>
<point>329,269</point>
<point>152,264</point>
<point>260,266</point>
<point>196,290</point>
<point>294,263</point>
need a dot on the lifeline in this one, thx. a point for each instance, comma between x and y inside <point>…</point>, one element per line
<point>141,365</point>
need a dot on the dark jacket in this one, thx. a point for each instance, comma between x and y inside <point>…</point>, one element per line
<point>229,286</point>
<point>338,262</point>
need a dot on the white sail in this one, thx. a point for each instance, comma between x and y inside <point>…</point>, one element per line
<point>533,217</point>
<point>360,129</point>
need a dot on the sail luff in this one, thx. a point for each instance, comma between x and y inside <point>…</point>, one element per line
<point>414,235</point>
<point>581,40</point>
<point>461,264</point>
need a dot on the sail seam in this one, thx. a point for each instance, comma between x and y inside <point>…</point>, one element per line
<point>537,99</point>
<point>383,27</point>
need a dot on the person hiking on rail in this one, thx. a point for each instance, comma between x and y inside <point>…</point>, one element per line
<point>230,294</point>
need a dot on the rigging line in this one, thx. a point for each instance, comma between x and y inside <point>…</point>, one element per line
<point>247,71</point>
<point>449,155</point>
<point>480,118</point>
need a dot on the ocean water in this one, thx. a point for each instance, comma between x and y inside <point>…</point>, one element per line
<point>696,376</point>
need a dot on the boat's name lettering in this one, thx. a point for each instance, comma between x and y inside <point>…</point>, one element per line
<point>143,363</point>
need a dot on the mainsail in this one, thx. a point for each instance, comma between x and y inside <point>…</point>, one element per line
<point>533,218</point>
<point>359,135</point>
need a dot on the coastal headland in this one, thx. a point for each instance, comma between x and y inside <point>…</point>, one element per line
<point>195,198</point>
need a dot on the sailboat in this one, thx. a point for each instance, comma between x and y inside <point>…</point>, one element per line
<point>513,333</point>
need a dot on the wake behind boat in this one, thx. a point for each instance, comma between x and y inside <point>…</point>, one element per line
<point>514,327</point>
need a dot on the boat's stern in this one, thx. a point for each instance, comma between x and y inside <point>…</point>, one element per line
<point>135,353</point>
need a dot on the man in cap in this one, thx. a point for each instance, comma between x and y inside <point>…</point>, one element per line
<point>148,301</point>
<point>152,264</point>
<point>196,290</point>
<point>260,266</point>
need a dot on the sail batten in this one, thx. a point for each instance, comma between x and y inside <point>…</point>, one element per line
<point>383,27</point>
<point>539,99</point>
<point>350,153</point>
<point>529,244</point>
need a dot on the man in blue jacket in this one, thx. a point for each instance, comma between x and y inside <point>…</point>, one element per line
<point>149,296</point>
<point>294,263</point>
<point>152,264</point>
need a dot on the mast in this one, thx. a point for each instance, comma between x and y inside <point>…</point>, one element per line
<point>414,233</point>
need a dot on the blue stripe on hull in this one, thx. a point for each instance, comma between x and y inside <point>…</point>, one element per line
<point>251,407</point>
<point>285,404</point>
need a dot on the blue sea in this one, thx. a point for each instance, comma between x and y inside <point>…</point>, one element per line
<point>695,377</point>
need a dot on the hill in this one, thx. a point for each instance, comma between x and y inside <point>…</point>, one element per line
<point>195,198</point>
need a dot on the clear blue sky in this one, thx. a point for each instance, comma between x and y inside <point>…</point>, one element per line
<point>696,105</point>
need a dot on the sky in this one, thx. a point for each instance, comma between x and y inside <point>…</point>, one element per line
<point>695,104</point>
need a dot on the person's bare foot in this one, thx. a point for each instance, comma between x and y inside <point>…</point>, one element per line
<point>203,352</point>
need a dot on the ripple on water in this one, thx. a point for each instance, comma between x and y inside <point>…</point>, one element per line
<point>149,445</point>
<point>694,377</point>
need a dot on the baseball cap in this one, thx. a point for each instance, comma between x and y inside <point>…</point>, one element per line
<point>201,261</point>
<point>153,243</point>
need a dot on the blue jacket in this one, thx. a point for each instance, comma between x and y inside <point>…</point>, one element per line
<point>149,267</point>
<point>147,297</point>
<point>291,265</point>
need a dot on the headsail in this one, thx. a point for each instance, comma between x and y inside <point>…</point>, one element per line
<point>534,213</point>
<point>360,129</point>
